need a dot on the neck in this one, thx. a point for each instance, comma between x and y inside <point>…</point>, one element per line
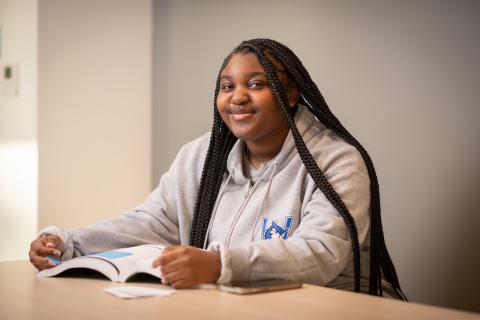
<point>261,152</point>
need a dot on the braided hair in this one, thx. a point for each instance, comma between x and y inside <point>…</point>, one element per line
<point>222,141</point>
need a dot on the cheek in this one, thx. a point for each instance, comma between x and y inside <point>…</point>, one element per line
<point>221,108</point>
<point>265,98</point>
<point>221,102</point>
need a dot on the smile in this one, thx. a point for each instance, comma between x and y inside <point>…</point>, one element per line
<point>239,114</point>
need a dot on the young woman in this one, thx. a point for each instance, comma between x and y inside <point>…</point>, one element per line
<point>277,189</point>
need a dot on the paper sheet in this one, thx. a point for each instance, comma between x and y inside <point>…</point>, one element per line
<point>133,292</point>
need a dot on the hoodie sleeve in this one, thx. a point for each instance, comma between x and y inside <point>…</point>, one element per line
<point>164,218</point>
<point>154,221</point>
<point>320,248</point>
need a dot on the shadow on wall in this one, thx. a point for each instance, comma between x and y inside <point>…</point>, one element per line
<point>440,257</point>
<point>460,285</point>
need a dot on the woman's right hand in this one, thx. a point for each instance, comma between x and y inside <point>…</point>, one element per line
<point>47,245</point>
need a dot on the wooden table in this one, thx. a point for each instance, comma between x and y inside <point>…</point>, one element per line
<point>24,296</point>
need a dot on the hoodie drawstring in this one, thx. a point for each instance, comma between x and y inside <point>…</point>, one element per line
<point>221,193</point>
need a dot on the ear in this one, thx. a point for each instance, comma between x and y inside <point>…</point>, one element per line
<point>292,94</point>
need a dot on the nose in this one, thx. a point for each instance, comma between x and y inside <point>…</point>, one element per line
<point>240,96</point>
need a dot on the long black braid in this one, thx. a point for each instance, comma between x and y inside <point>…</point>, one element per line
<point>222,141</point>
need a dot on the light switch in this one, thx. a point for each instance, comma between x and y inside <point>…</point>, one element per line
<point>9,80</point>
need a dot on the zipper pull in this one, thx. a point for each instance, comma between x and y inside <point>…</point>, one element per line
<point>248,191</point>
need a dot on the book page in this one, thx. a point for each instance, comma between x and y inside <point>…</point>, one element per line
<point>117,264</point>
<point>85,262</point>
<point>132,260</point>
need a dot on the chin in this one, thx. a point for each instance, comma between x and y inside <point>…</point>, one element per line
<point>244,133</point>
<point>241,137</point>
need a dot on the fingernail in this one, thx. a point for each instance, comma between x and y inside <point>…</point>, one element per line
<point>57,253</point>
<point>50,245</point>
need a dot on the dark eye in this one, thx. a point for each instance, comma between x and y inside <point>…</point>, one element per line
<point>227,86</point>
<point>256,84</point>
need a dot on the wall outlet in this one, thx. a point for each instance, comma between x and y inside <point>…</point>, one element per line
<point>9,79</point>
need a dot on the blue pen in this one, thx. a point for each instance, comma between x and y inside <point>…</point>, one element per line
<point>55,260</point>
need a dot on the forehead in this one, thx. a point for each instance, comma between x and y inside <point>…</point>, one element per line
<point>242,63</point>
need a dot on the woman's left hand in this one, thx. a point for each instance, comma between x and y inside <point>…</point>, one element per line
<point>186,266</point>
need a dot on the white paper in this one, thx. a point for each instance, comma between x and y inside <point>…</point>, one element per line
<point>133,292</point>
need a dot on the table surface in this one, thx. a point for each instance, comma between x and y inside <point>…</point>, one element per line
<point>25,296</point>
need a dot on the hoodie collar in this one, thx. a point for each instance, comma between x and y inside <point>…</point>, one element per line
<point>303,120</point>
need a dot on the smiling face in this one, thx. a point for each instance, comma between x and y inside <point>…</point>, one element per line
<point>247,105</point>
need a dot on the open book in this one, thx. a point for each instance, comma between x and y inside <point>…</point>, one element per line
<point>117,265</point>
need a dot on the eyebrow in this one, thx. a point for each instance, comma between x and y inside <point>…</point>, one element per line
<point>248,75</point>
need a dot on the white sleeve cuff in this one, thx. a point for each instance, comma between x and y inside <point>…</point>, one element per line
<point>64,235</point>
<point>226,271</point>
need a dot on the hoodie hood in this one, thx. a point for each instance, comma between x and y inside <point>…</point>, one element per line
<point>304,120</point>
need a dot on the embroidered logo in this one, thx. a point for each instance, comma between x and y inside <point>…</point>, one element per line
<point>274,230</point>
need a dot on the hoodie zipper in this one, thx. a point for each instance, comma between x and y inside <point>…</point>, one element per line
<point>247,196</point>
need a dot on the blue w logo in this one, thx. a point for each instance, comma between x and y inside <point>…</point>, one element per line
<point>274,230</point>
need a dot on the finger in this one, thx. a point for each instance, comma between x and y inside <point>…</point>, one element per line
<point>172,277</point>
<point>38,248</point>
<point>156,262</point>
<point>53,241</point>
<point>41,262</point>
<point>172,266</point>
<point>182,284</point>
<point>170,255</point>
<point>162,260</point>
<point>167,249</point>
<point>42,251</point>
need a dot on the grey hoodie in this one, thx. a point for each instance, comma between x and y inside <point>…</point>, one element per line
<point>282,226</point>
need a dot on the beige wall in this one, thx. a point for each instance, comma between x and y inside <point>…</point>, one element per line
<point>402,75</point>
<point>94,109</point>
<point>18,130</point>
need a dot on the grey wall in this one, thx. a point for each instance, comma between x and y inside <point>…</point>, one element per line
<point>403,76</point>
